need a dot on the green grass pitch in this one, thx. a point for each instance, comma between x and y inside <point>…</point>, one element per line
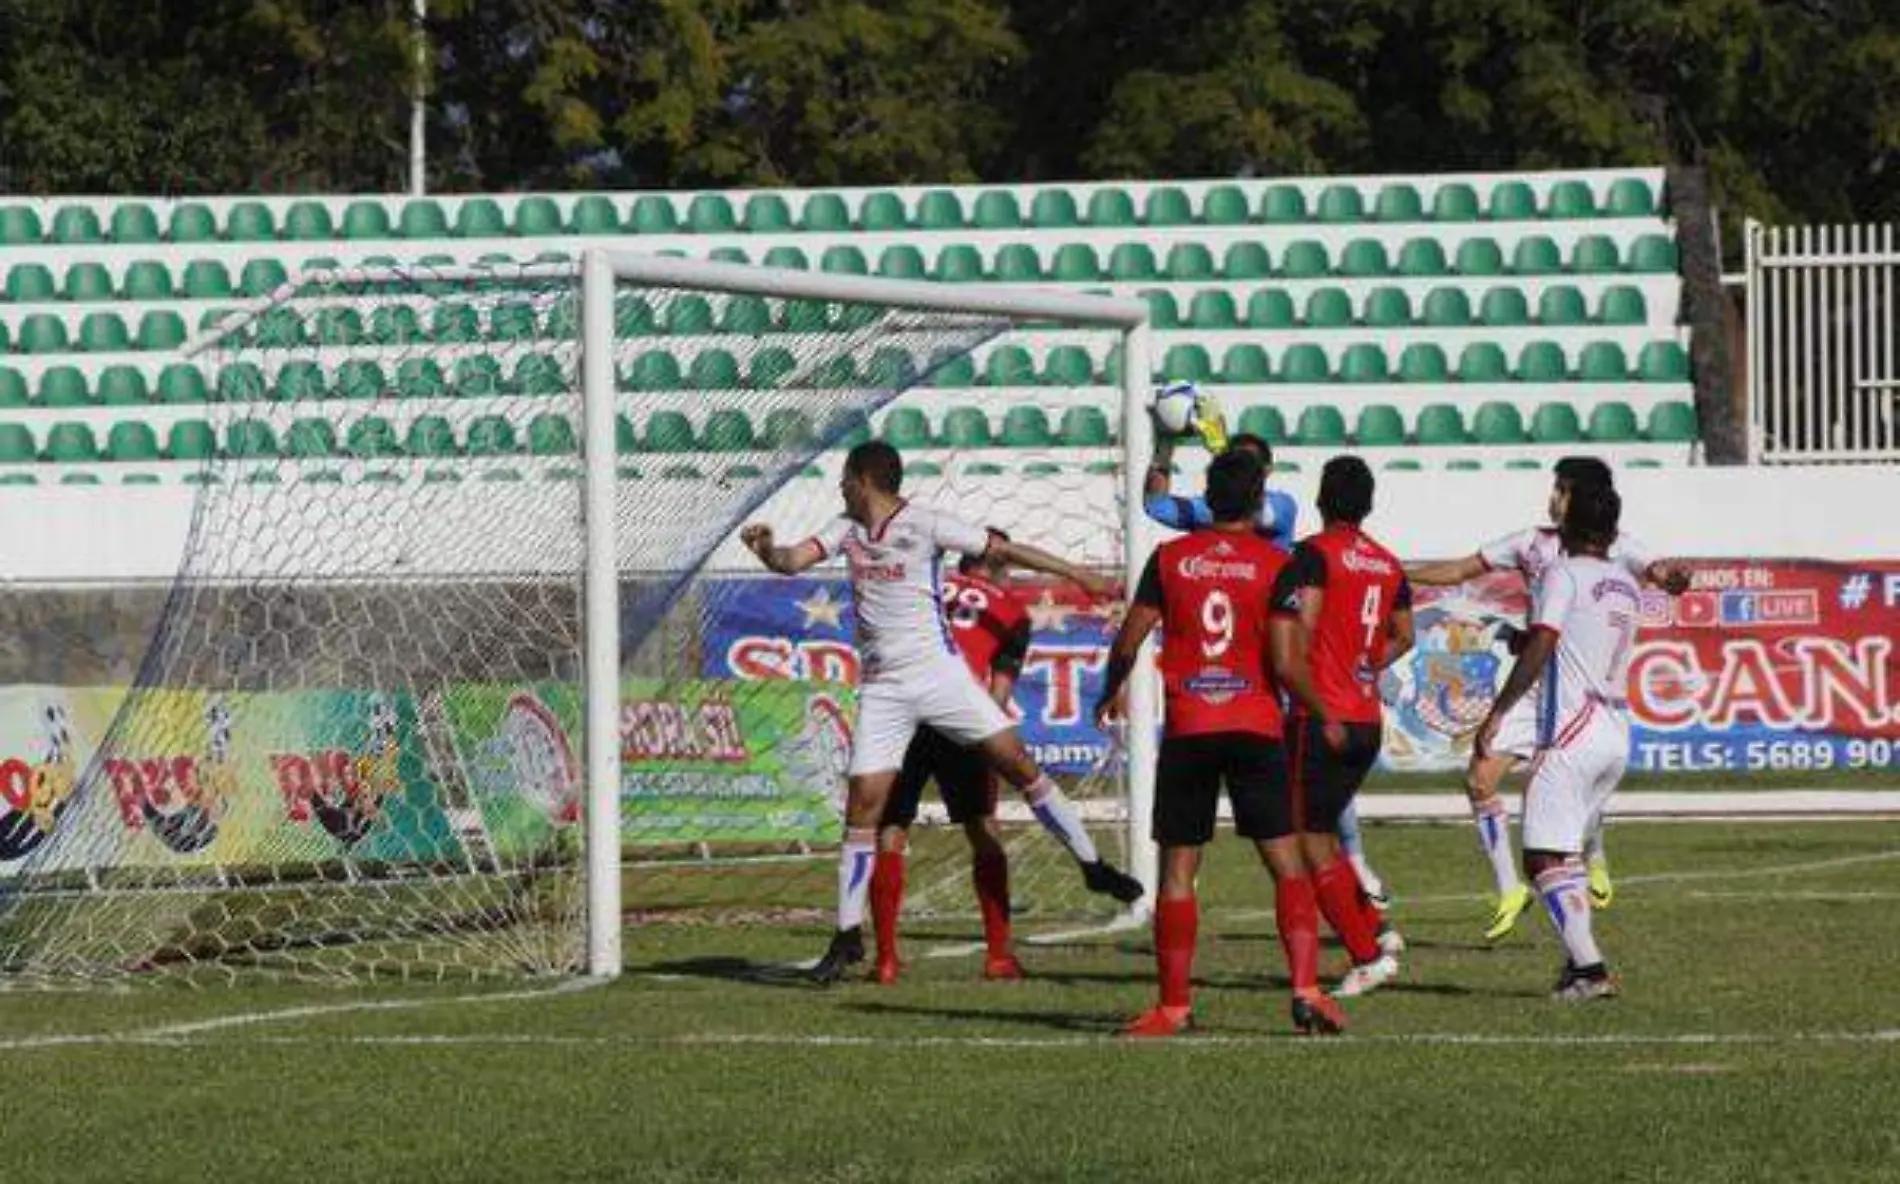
<point>1759,1038</point>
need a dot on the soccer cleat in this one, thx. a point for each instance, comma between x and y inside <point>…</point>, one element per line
<point>1160,1021</point>
<point>1211,422</point>
<point>1582,984</point>
<point>1510,907</point>
<point>845,951</point>
<point>1391,943</point>
<point>1367,977</point>
<point>1002,968</point>
<point>1105,879</point>
<point>1316,1014</point>
<point>1602,888</point>
<point>887,971</point>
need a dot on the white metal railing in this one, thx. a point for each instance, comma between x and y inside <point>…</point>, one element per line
<point>1823,343</point>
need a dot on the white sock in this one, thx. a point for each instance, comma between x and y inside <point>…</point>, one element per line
<point>1058,816</point>
<point>1567,900</point>
<point>856,859</point>
<point>1494,836</point>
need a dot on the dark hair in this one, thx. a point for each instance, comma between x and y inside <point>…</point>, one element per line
<point>1345,490</point>
<point>970,563</point>
<point>1236,485</point>
<point>878,463</point>
<point>1574,471</point>
<point>1591,517</point>
<point>1256,442</point>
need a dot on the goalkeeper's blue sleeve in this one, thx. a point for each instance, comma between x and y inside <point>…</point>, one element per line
<point>1178,513</point>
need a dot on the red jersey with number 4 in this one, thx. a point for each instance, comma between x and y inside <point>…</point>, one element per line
<point>1362,585</point>
<point>1214,590</point>
<point>989,624</point>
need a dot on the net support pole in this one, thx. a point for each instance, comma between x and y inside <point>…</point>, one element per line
<point>601,597</point>
<point>1138,541</point>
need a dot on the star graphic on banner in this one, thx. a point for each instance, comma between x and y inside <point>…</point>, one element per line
<point>820,609</point>
<point>1046,615</point>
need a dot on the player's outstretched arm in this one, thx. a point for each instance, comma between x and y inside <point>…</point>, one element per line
<point>1155,484</point>
<point>1136,626</point>
<point>1447,572</point>
<point>1669,575</point>
<point>1023,555</point>
<point>1400,637</point>
<point>786,561</point>
<point>1287,646</point>
<point>1531,662</point>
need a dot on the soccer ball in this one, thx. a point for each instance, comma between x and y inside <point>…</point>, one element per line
<point>1174,407</point>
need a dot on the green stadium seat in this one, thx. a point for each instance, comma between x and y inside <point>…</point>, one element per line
<point>63,386</point>
<point>655,370</point>
<point>311,439</point>
<point>1536,254</point>
<point>1673,423</point>
<point>493,435</point>
<point>1594,254</point>
<point>846,427</point>
<point>1630,197</point>
<point>130,440</point>
<point>395,324</point>
<point>551,434</point>
<point>1364,257</point>
<point>1483,361</point>
<point>633,315</point>
<point>1321,425</point>
<point>1305,259</point>
<point>1498,423</point>
<point>1111,207</point>
<point>1264,420</point>
<point>1016,263</point>
<point>1270,308</point>
<point>307,221</point>
<point>729,255</point>
<point>1603,361</point>
<point>952,370</point>
<point>477,377</point>
<point>71,443</point>
<point>1561,304</point>
<point>1363,362</point>
<point>1163,313</point>
<point>250,439</point>
<point>1305,363</point>
<point>958,263</point>
<point>1085,426</point>
<point>744,315</point>
<point>1455,201</point>
<point>689,316</point>
<point>1379,426</point>
<point>710,213</point>
<point>17,445</point>
<point>480,217</point>
<point>1663,361</point>
<point>508,321</point>
<point>1555,423</point>
<point>1075,263</point>
<point>593,214</point>
<point>1570,199</point>
<point>905,429</point>
<point>1388,308</point>
<point>653,214</point>
<point>1542,361</point>
<point>280,328</point>
<point>1053,209</point>
<point>422,218</point>
<point>537,217</point>
<point>1341,203</point>
<point>300,381</point>
<point>1402,465</point>
<point>966,428</point>
<point>1524,464</point>
<point>1224,205</point>
<point>361,378</point>
<point>714,370</point>
<point>240,382</point>
<point>882,211</point>
<point>1132,263</point>
<point>939,209</point>
<point>541,374</point>
<point>1212,309</point>
<point>1439,425</point>
<point>1246,260</point>
<point>804,316</point>
<point>76,225</point>
<point>192,222</point>
<point>1447,308</point>
<point>147,280</point>
<point>12,388</point>
<point>1504,308</point>
<point>20,227</point>
<point>1167,205</point>
<point>770,368</point>
<point>1512,201</point>
<point>1328,308</point>
<point>767,213</point>
<point>1399,202</point>
<point>1186,363</point>
<point>1423,361</point>
<point>728,430</point>
<point>1623,305</point>
<point>1421,257</point>
<point>902,262</point>
<point>1612,423</point>
<point>1190,261</point>
<point>30,283</point>
<point>626,440</point>
<point>207,279</point>
<point>787,257</point>
<point>1463,464</point>
<point>843,259</point>
<point>181,382</point>
<point>1009,365</point>
<point>88,281</point>
<point>261,277</point>
<point>454,323</point>
<point>161,329</point>
<point>1480,256</point>
<point>997,210</point>
<point>1246,362</point>
<point>365,220</point>
<point>1068,365</point>
<point>191,439</point>
<point>42,333</point>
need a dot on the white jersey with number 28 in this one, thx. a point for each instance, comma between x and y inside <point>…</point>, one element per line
<point>1593,606</point>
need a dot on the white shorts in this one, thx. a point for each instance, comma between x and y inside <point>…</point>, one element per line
<point>943,694</point>
<point>1571,785</point>
<point>1517,731</point>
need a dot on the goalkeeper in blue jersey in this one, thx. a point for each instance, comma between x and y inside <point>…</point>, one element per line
<point>1278,513</point>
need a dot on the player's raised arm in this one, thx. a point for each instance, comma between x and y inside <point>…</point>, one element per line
<point>1144,613</point>
<point>1400,635</point>
<point>1015,554</point>
<point>786,561</point>
<point>1446,572</point>
<point>1007,665</point>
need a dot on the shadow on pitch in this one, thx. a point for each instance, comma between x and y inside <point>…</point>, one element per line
<point>1100,1024</point>
<point>736,970</point>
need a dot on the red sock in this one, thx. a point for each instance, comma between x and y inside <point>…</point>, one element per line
<point>990,871</point>
<point>1338,892</point>
<point>1297,910</point>
<point>1176,922</point>
<point>887,898</point>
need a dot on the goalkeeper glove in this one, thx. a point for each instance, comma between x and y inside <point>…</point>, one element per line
<point>1210,422</point>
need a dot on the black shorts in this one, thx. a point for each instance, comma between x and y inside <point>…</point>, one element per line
<point>1324,781</point>
<point>964,782</point>
<point>1188,780</point>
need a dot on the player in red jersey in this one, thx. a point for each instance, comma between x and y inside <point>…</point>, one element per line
<point>991,629</point>
<point>1209,592</point>
<point>1342,613</point>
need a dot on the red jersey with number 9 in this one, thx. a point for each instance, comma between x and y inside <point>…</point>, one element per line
<point>1362,585</point>
<point>989,624</point>
<point>1214,589</point>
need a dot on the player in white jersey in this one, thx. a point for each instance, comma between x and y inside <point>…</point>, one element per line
<point>1583,627</point>
<point>911,672</point>
<point>1533,553</point>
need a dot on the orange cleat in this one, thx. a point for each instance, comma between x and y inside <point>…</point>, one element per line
<point>1002,968</point>
<point>1160,1021</point>
<point>1315,1013</point>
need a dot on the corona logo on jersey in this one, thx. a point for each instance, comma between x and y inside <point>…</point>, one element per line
<point>863,567</point>
<point>1356,558</point>
<point>34,794</point>
<point>180,799</point>
<point>1208,565</point>
<point>344,791</point>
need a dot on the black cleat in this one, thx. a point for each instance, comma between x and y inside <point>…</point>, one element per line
<point>846,950</point>
<point>1317,1015</point>
<point>1581,984</point>
<point>1106,879</point>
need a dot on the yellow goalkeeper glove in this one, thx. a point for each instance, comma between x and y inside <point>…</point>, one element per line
<point>1211,422</point>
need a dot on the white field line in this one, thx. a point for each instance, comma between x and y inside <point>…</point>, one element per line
<point>1724,805</point>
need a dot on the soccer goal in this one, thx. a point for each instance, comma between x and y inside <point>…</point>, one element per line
<point>463,672</point>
